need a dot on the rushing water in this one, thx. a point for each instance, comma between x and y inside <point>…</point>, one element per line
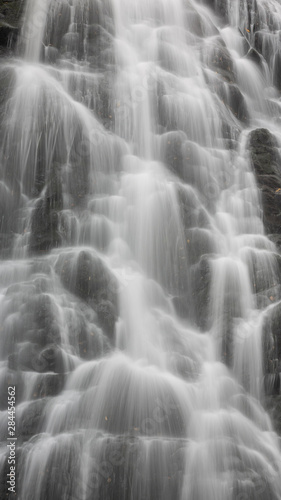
<point>134,294</point>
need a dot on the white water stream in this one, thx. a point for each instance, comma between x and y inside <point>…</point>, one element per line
<point>159,228</point>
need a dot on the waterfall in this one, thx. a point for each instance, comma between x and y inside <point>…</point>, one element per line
<point>137,276</point>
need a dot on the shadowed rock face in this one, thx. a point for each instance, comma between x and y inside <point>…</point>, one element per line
<point>10,16</point>
<point>266,162</point>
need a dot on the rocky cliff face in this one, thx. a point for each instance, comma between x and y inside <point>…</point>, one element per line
<point>262,147</point>
<point>266,162</point>
<point>10,18</point>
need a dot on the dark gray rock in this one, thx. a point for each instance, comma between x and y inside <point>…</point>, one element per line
<point>237,104</point>
<point>107,316</point>
<point>273,406</point>
<point>220,6</point>
<point>277,69</point>
<point>10,22</point>
<point>29,423</point>
<point>201,284</point>
<point>232,97</point>
<point>87,276</point>
<point>171,146</point>
<point>266,163</point>
<point>221,61</point>
<point>253,55</point>
<point>58,24</point>
<point>44,223</point>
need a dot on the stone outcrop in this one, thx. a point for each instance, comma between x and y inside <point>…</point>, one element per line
<point>86,276</point>
<point>266,163</point>
<point>10,18</point>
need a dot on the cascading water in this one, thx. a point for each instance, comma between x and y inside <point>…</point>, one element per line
<point>139,276</point>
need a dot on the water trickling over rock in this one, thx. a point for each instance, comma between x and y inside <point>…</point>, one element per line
<point>140,277</point>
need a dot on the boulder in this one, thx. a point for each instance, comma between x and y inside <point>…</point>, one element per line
<point>31,358</point>
<point>99,47</point>
<point>29,423</point>
<point>221,61</point>
<point>86,275</point>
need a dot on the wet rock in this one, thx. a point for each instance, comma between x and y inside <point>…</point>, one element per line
<point>219,5</point>
<point>192,213</point>
<point>7,82</point>
<point>273,406</point>
<point>6,245</point>
<point>237,104</point>
<point>31,358</point>
<point>10,20</point>
<point>194,23</point>
<point>58,24</point>
<point>171,145</point>
<point>277,70</point>
<point>103,106</point>
<point>29,423</point>
<point>49,359</point>
<point>50,384</point>
<point>40,321</point>
<point>45,221</point>
<point>102,15</point>
<point>264,44</point>
<point>221,61</point>
<point>183,306</point>
<point>10,378</point>
<point>266,163</point>
<point>200,242</point>
<point>107,316</point>
<point>272,384</point>
<point>87,276</point>
<point>275,327</point>
<point>232,96</point>
<point>201,284</point>
<point>263,152</point>
<point>276,238</point>
<point>99,47</point>
<point>51,55</point>
<point>254,56</point>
